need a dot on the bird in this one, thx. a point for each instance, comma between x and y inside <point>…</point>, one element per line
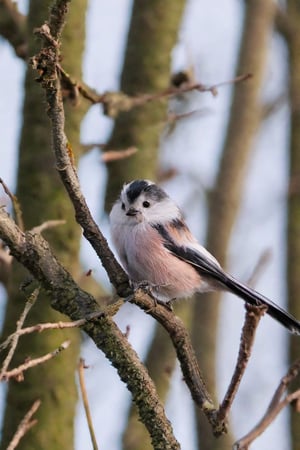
<point>156,247</point>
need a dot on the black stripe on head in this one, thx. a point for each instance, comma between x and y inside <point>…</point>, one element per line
<point>135,188</point>
<point>152,190</point>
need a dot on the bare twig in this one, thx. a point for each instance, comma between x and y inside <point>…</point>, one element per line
<point>276,405</point>
<point>14,340</point>
<point>17,373</point>
<point>115,155</point>
<point>49,326</point>
<point>116,102</point>
<point>253,316</point>
<point>24,426</point>
<point>84,395</point>
<point>260,266</point>
<point>48,224</point>
<point>15,203</point>
<point>110,155</point>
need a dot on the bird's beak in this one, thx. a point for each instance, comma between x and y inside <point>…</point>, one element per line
<point>132,212</point>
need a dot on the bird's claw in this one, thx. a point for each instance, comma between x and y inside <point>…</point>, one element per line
<point>148,288</point>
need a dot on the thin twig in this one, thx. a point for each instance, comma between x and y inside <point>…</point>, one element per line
<point>116,102</point>
<point>46,62</point>
<point>24,426</point>
<point>16,205</point>
<point>84,395</point>
<point>17,373</point>
<point>115,155</point>
<point>14,340</point>
<point>46,225</point>
<point>50,326</point>
<point>260,266</point>
<point>253,316</point>
<point>276,405</point>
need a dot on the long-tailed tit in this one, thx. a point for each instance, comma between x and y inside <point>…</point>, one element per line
<point>156,246</point>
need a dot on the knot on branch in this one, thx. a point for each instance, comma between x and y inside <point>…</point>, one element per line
<point>116,102</point>
<point>45,62</point>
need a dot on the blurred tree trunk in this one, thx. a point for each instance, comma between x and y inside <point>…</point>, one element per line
<point>226,196</point>
<point>152,35</point>
<point>293,201</point>
<point>42,197</point>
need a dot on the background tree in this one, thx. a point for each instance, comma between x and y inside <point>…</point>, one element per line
<point>42,198</point>
<point>291,32</point>
<point>226,195</point>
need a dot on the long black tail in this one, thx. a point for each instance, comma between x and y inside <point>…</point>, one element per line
<point>207,266</point>
<point>255,298</point>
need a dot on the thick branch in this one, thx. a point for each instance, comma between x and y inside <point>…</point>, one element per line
<point>34,253</point>
<point>46,61</point>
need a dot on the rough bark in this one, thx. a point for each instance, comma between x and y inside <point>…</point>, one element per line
<point>34,252</point>
<point>42,197</point>
<point>226,195</point>
<point>160,363</point>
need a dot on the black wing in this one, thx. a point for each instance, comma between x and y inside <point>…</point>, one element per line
<point>208,268</point>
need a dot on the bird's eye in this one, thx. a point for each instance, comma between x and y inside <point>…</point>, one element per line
<point>123,206</point>
<point>146,204</point>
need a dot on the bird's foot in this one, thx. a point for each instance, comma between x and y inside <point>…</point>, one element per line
<point>150,289</point>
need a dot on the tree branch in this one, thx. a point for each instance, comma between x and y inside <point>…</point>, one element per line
<point>252,319</point>
<point>116,102</point>
<point>24,426</point>
<point>85,401</point>
<point>17,372</point>
<point>34,253</point>
<point>39,327</point>
<point>274,408</point>
<point>12,27</point>
<point>15,337</point>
